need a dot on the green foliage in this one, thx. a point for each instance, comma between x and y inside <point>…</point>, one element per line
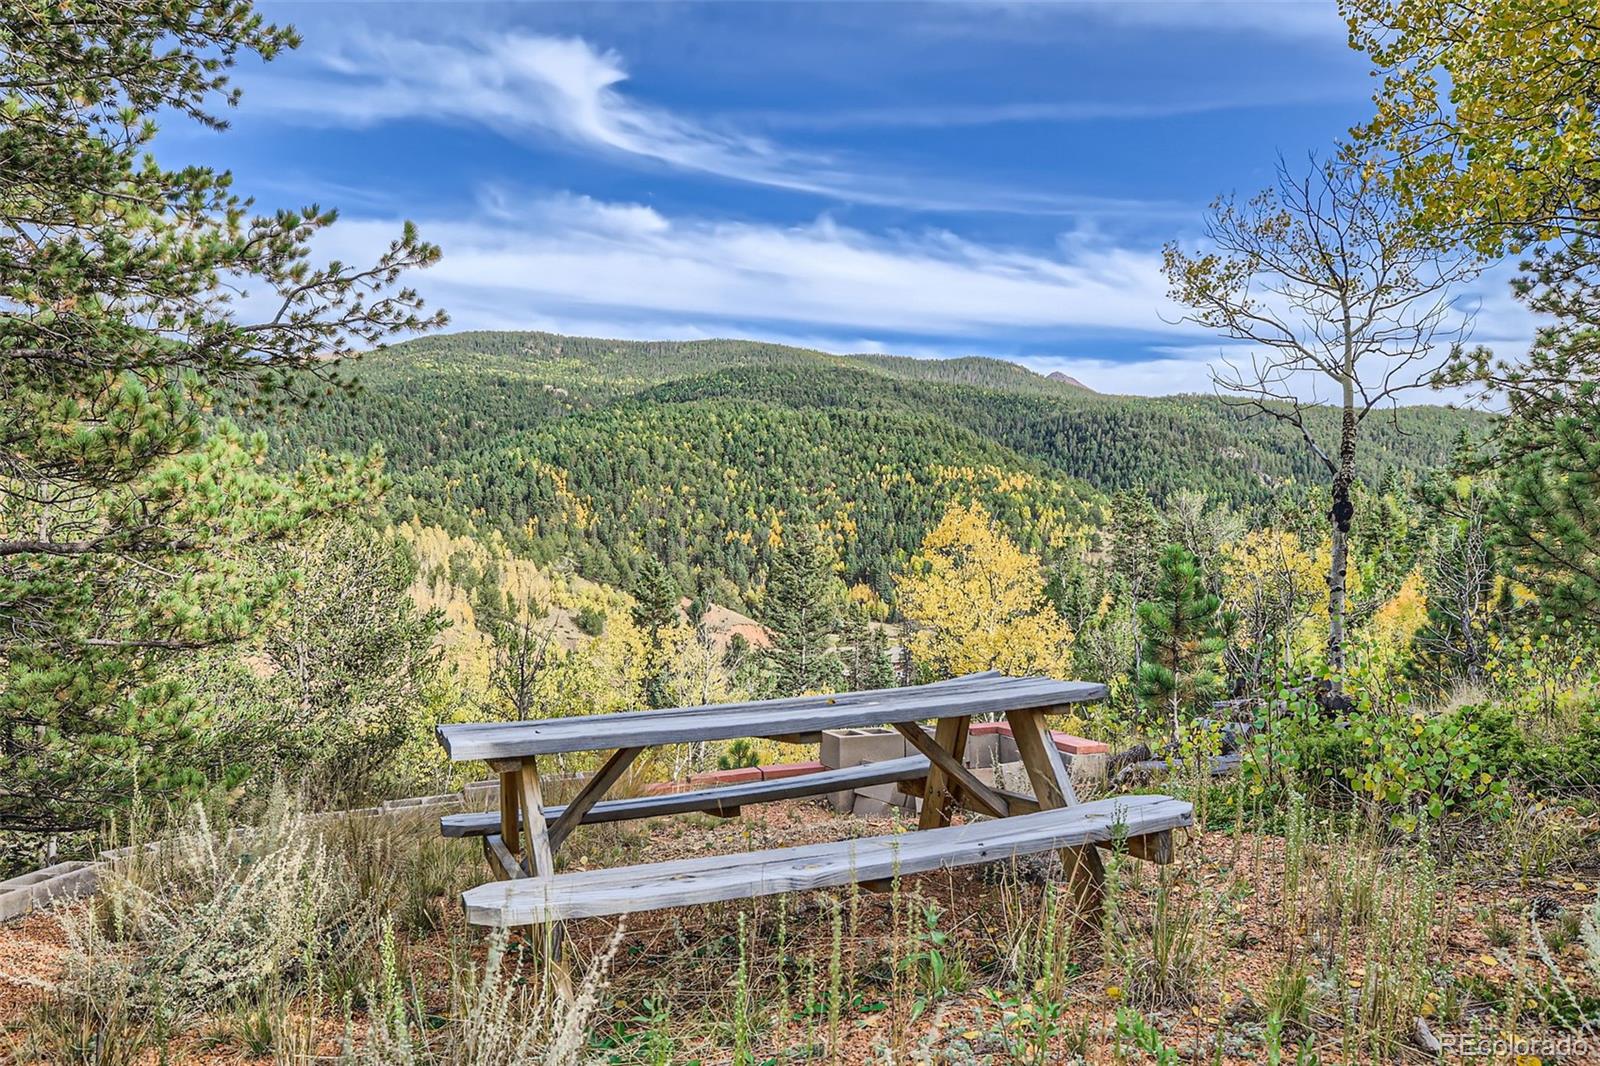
<point>125,524</point>
<point>864,649</point>
<point>591,620</point>
<point>655,612</point>
<point>1182,644</point>
<point>340,677</point>
<point>600,451</point>
<point>799,608</point>
<point>1550,516</point>
<point>741,754</point>
<point>1421,767</point>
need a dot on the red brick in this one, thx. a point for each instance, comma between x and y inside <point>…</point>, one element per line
<point>741,775</point>
<point>790,769</point>
<point>1071,745</point>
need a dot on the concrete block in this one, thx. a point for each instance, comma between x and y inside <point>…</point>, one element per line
<point>1010,776</point>
<point>983,749</point>
<point>866,807</point>
<point>72,884</point>
<point>886,794</point>
<point>841,748</point>
<point>419,802</point>
<point>1067,744</point>
<point>1088,769</point>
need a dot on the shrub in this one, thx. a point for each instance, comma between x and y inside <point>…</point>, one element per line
<point>591,620</point>
<point>1413,765</point>
<point>206,916</point>
<point>502,1019</point>
<point>741,753</point>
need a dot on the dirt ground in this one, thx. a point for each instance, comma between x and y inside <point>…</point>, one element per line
<point>1228,889</point>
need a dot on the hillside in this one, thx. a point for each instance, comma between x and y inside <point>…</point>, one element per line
<point>697,451</point>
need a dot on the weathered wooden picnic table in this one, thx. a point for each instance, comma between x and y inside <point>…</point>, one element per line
<point>522,839</point>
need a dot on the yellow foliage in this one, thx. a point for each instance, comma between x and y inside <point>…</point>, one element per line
<point>977,601</point>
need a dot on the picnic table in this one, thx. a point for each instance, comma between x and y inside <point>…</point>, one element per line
<point>522,839</point>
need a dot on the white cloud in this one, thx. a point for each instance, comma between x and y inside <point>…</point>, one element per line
<point>1054,111</point>
<point>567,253</point>
<point>525,85</point>
<point>573,264</point>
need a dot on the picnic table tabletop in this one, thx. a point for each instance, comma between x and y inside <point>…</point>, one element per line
<point>985,693</point>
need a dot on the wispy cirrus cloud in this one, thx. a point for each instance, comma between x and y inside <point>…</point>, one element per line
<point>578,265</point>
<point>527,85</point>
<point>628,261</point>
<point>1040,111</point>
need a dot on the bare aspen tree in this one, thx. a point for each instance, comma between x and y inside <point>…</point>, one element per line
<point>1325,278</point>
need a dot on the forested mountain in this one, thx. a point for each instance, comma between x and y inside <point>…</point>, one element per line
<point>696,452</point>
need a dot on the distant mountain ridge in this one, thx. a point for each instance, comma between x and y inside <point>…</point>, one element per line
<point>700,452</point>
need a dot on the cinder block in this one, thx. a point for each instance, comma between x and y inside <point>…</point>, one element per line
<point>866,807</point>
<point>983,749</point>
<point>841,748</point>
<point>1008,748</point>
<point>1010,776</point>
<point>81,881</point>
<point>1087,769</point>
<point>1067,744</point>
<point>889,793</point>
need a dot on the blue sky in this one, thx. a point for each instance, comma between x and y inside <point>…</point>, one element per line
<point>990,179</point>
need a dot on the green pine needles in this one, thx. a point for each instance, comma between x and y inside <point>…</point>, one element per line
<point>1182,641</point>
<point>126,521</point>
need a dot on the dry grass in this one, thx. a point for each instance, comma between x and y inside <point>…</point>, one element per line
<point>1317,939</point>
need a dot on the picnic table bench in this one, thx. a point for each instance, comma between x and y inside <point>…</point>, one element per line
<point>522,838</point>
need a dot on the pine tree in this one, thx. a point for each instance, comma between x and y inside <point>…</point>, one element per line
<point>655,612</point>
<point>1136,537</point>
<point>126,522</point>
<point>866,651</point>
<point>1183,645</point>
<point>799,609</point>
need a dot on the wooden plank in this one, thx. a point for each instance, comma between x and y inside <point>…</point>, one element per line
<point>723,800</point>
<point>1152,847</point>
<point>593,790</point>
<point>1052,785</point>
<point>510,740</point>
<point>712,878</point>
<point>947,762</point>
<point>509,822</point>
<point>1052,788</point>
<point>949,735</point>
<point>1086,879</point>
<point>500,856</point>
<point>537,855</point>
<point>1019,803</point>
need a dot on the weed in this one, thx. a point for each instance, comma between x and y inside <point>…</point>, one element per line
<point>937,963</point>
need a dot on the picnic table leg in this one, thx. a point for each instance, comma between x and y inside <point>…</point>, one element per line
<point>1052,787</point>
<point>951,735</point>
<point>522,801</point>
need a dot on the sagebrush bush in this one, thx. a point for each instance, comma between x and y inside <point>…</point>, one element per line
<point>500,1017</point>
<point>203,916</point>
